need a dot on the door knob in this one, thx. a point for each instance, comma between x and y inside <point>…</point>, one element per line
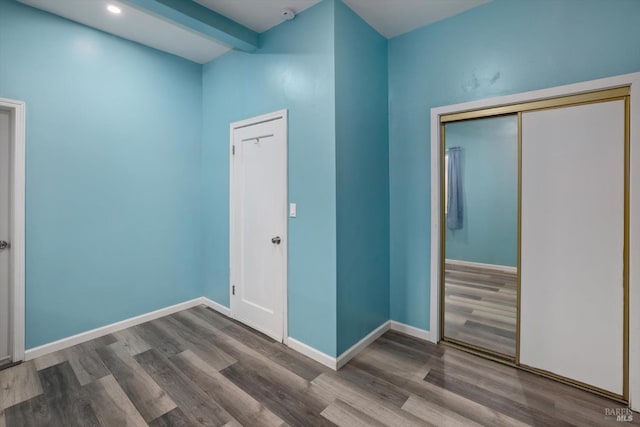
<point>276,240</point>
<point>4,245</point>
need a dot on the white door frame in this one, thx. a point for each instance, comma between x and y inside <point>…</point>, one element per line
<point>16,110</point>
<point>632,80</point>
<point>282,114</point>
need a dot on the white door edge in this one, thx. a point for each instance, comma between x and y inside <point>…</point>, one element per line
<point>281,114</point>
<point>632,80</point>
<point>17,275</point>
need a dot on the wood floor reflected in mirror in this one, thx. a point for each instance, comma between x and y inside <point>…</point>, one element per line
<point>481,307</point>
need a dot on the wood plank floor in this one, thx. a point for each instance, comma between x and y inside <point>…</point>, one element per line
<point>481,307</point>
<point>198,368</point>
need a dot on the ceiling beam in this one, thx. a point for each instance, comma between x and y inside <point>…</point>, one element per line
<point>202,20</point>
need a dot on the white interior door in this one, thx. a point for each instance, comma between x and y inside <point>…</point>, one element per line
<point>572,243</point>
<point>259,225</point>
<point>5,224</point>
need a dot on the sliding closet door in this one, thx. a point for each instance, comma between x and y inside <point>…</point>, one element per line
<point>572,243</point>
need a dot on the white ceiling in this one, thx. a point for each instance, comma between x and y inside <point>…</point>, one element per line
<point>394,17</point>
<point>259,15</point>
<point>136,25</point>
<point>389,17</point>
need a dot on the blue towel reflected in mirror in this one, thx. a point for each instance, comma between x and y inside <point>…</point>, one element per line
<point>454,189</point>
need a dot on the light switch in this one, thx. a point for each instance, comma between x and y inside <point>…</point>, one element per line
<point>293,210</point>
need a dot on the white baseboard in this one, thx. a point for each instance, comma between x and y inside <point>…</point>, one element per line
<point>34,352</point>
<point>217,307</point>
<point>315,354</point>
<point>362,344</point>
<point>412,331</point>
<point>495,267</point>
<point>336,363</point>
<point>312,353</point>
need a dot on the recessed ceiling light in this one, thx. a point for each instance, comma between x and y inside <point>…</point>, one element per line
<point>114,9</point>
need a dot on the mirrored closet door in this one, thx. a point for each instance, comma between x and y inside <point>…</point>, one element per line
<point>535,236</point>
<point>481,233</point>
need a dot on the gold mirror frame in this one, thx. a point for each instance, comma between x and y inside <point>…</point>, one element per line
<point>614,94</point>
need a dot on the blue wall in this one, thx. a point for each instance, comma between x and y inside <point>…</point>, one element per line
<point>362,164</point>
<point>502,47</point>
<point>127,153</point>
<point>113,172</point>
<point>293,69</point>
<point>489,164</point>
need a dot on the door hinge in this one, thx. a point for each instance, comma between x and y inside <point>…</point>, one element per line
<point>233,150</point>
<point>233,289</point>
